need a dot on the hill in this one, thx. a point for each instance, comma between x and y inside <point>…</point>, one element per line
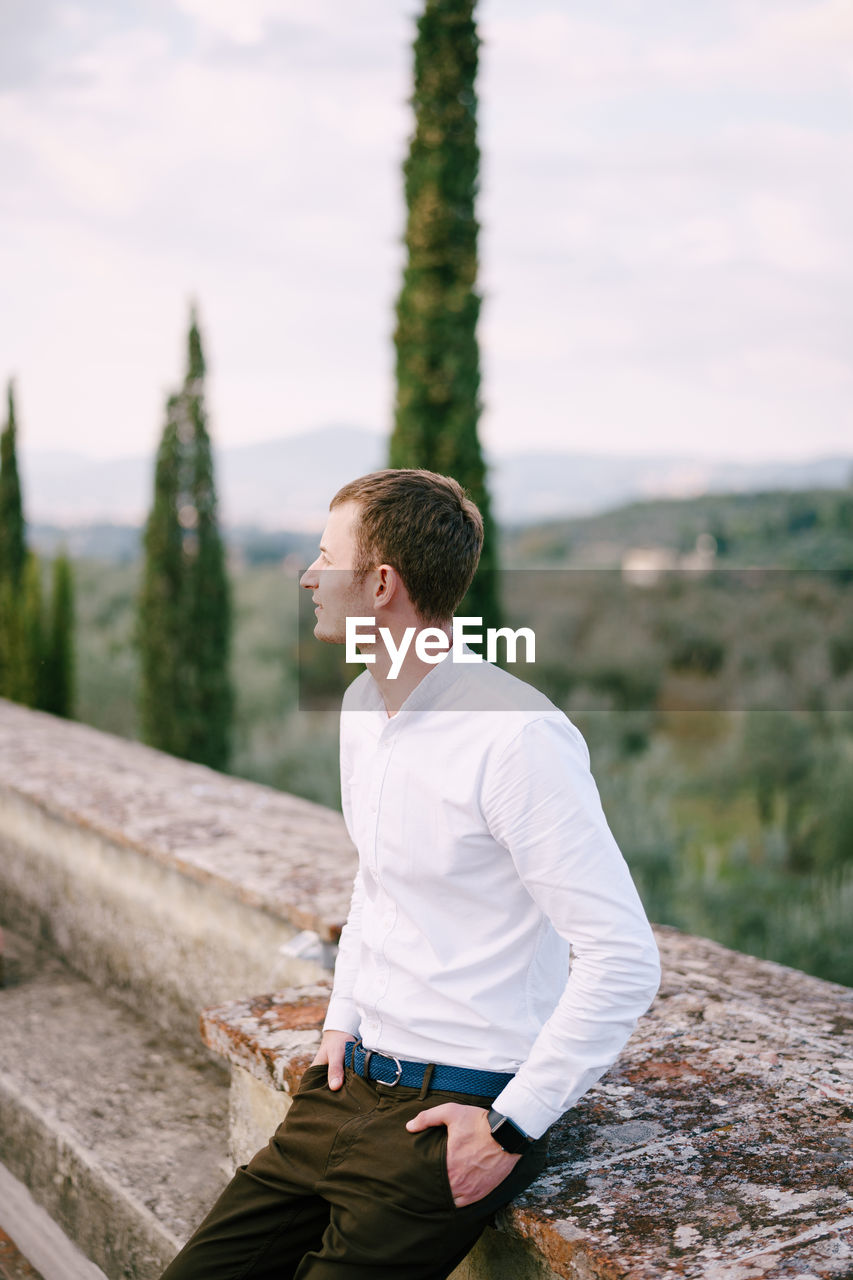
<point>286,483</point>
<point>812,529</point>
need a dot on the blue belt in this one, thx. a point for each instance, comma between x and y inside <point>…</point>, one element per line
<point>391,1071</point>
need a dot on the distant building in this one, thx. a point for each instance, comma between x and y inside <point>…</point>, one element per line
<point>644,566</point>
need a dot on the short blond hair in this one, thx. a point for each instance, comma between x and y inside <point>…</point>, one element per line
<point>425,526</point>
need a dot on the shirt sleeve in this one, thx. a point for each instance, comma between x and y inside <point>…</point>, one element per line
<point>342,1013</point>
<point>542,804</point>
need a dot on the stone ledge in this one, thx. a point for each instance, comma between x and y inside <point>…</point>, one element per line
<point>166,884</point>
<point>274,852</point>
<point>720,1146</point>
<point>272,1037</point>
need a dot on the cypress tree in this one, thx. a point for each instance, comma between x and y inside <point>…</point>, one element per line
<point>438,403</point>
<point>184,626</point>
<point>208,597</point>
<point>15,676</point>
<point>13,551</point>
<point>14,668</point>
<point>31,679</point>
<point>159,631</point>
<point>57,695</point>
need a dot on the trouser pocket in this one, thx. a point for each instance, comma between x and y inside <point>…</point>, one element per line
<point>521,1175</point>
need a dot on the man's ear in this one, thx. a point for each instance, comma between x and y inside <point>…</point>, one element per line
<point>387,584</point>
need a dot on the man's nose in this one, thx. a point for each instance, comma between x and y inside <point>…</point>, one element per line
<point>309,577</point>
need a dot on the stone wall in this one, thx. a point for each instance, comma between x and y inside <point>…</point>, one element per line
<point>162,881</point>
<point>718,1148</point>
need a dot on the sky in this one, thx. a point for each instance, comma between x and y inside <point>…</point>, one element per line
<point>666,206</point>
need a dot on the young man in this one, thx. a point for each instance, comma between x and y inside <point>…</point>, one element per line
<point>457,1031</point>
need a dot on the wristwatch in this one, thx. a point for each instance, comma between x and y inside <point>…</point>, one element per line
<point>507,1134</point>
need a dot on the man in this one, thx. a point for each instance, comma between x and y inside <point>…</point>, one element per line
<point>457,1031</point>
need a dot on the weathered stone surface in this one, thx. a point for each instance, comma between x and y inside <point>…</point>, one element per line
<point>253,1109</point>
<point>276,852</point>
<point>269,1041</point>
<point>272,1037</point>
<point>720,1147</point>
<point>118,1131</point>
<point>165,883</point>
<point>497,1256</point>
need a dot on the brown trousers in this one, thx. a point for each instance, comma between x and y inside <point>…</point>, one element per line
<point>343,1191</point>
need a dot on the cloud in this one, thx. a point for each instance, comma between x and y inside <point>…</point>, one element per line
<point>626,50</point>
<point>666,211</point>
<point>242,24</point>
<point>25,42</point>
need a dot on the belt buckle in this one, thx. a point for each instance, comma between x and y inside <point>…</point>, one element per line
<point>389,1084</point>
<point>367,1054</point>
<point>399,1075</point>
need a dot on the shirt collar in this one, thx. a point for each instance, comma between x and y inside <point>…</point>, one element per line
<point>425,696</point>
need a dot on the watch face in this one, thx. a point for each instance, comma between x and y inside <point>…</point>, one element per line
<point>509,1137</point>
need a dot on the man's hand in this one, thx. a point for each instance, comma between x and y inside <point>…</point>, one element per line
<point>332,1049</point>
<point>475,1162</point>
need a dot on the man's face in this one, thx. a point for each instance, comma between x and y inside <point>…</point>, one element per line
<point>331,581</point>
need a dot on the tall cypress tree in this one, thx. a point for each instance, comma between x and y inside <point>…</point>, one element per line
<point>159,630</point>
<point>184,627</point>
<point>15,678</point>
<point>31,686</point>
<point>15,674</point>
<point>57,686</point>
<point>208,597</point>
<point>438,365</point>
<point>13,550</point>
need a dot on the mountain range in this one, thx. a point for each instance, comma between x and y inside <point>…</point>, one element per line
<point>286,483</point>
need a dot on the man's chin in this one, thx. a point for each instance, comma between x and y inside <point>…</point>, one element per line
<point>327,635</point>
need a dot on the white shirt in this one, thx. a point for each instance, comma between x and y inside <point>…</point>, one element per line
<point>484,856</point>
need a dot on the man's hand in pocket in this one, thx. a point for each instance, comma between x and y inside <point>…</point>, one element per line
<point>475,1162</point>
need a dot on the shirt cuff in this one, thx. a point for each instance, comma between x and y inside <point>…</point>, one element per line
<point>524,1109</point>
<point>342,1015</point>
